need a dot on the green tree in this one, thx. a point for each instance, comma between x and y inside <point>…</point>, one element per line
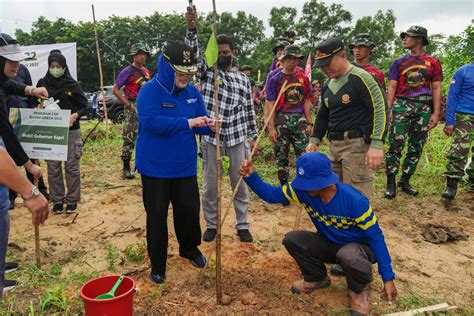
<point>282,19</point>
<point>246,30</point>
<point>381,27</point>
<point>319,21</point>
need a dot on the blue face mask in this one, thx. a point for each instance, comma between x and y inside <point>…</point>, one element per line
<point>56,72</point>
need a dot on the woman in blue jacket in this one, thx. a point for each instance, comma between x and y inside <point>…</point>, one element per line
<point>170,113</point>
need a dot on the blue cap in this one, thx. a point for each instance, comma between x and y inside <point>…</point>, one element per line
<point>313,172</point>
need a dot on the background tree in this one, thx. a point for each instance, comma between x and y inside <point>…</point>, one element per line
<point>282,19</point>
<point>319,21</point>
<point>382,28</point>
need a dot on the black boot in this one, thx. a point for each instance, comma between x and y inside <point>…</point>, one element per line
<point>283,177</point>
<point>391,191</point>
<point>127,173</point>
<point>404,184</point>
<point>451,188</point>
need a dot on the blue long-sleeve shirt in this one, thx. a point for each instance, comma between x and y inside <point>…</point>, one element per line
<point>347,218</point>
<point>461,93</point>
<point>166,146</point>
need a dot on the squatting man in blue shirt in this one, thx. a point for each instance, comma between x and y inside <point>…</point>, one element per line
<point>348,232</point>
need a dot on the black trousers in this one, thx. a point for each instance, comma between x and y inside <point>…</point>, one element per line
<point>183,193</point>
<point>311,251</point>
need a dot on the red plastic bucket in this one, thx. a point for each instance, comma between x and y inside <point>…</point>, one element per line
<point>120,305</point>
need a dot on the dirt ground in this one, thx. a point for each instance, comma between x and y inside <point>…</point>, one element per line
<point>256,276</point>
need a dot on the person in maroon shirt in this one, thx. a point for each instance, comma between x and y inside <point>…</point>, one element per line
<point>362,46</point>
<point>414,97</point>
<point>131,78</point>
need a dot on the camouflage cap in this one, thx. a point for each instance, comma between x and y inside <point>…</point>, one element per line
<point>291,50</point>
<point>288,36</point>
<point>362,39</point>
<point>416,31</point>
<point>279,44</point>
<point>139,47</point>
<point>245,67</point>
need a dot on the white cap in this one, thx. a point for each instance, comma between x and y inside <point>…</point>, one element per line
<point>11,51</point>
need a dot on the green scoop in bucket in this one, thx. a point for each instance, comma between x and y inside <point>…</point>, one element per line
<point>111,293</point>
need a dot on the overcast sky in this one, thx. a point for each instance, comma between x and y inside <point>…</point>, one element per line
<point>439,16</point>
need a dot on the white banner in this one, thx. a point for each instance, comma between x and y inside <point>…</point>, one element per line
<point>37,63</point>
<point>43,134</point>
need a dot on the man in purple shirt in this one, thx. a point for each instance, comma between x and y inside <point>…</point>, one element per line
<point>414,97</point>
<point>131,78</point>
<point>291,122</point>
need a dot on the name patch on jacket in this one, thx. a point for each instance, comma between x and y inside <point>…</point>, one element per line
<point>168,105</point>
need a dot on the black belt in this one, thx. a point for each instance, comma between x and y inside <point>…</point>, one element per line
<point>290,113</point>
<point>347,134</point>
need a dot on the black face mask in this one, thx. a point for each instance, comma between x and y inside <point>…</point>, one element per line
<point>223,62</point>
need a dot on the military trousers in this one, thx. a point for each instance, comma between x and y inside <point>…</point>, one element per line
<point>458,154</point>
<point>291,130</point>
<point>409,126</point>
<point>129,134</point>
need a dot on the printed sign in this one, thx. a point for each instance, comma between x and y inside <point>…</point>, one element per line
<point>43,134</point>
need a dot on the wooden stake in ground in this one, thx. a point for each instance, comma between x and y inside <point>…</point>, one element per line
<point>101,76</point>
<point>37,235</point>
<point>218,174</point>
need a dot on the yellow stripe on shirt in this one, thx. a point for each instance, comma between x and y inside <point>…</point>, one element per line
<point>284,188</point>
<point>373,86</point>
<point>369,223</point>
<point>293,194</point>
<point>364,216</point>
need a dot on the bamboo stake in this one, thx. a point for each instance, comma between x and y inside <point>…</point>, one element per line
<point>218,174</point>
<point>234,193</point>
<point>37,233</point>
<point>101,76</point>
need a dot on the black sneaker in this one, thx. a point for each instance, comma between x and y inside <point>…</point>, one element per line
<point>9,285</point>
<point>10,266</point>
<point>58,208</point>
<point>71,208</point>
<point>245,235</point>
<point>209,234</point>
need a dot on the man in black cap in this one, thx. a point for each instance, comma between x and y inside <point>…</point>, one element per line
<point>238,132</point>
<point>414,97</point>
<point>131,78</point>
<point>352,115</point>
<point>291,122</point>
<point>362,47</point>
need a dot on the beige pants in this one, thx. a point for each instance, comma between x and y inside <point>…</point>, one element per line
<point>348,161</point>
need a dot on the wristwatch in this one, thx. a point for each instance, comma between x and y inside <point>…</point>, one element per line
<point>34,194</point>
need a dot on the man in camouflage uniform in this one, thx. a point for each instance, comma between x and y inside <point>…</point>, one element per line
<point>460,124</point>
<point>362,47</point>
<point>291,123</point>
<point>131,78</point>
<point>414,96</point>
